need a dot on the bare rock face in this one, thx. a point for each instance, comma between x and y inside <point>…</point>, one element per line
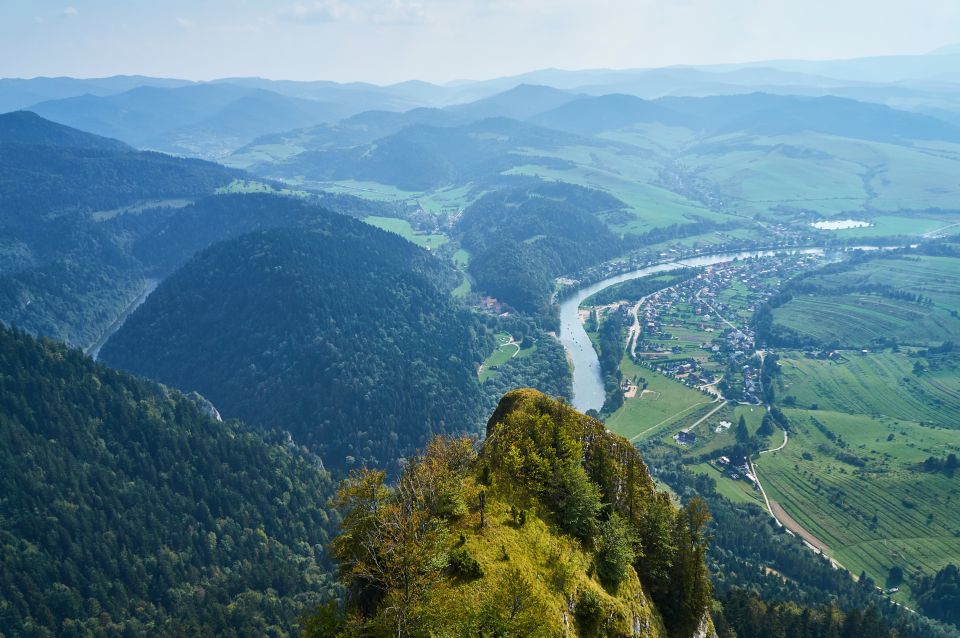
<point>205,406</point>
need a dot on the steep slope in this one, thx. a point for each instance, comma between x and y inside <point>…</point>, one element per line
<point>553,528</point>
<point>64,266</point>
<point>127,511</point>
<point>48,169</point>
<point>523,238</point>
<point>346,335</point>
<point>178,236</point>
<point>26,127</point>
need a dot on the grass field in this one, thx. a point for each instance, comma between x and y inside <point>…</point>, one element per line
<point>506,349</point>
<point>878,384</point>
<point>370,190</point>
<point>666,403</point>
<point>934,277</point>
<point>829,175</point>
<point>461,258</point>
<point>244,186</point>
<point>890,225</point>
<point>736,491</point>
<point>463,289</point>
<point>402,227</point>
<point>873,517</point>
<point>856,319</point>
<point>650,206</point>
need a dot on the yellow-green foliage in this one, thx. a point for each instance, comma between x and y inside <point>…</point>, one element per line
<point>553,529</point>
<point>538,571</point>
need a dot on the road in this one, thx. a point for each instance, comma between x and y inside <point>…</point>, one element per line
<point>777,449</point>
<point>709,414</point>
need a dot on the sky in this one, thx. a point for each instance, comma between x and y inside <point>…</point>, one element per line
<point>386,41</point>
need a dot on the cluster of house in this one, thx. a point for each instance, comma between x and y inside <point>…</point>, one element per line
<point>736,472</point>
<point>778,236</point>
<point>730,343</point>
<point>490,304</point>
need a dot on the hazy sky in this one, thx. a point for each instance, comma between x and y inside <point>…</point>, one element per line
<point>439,40</point>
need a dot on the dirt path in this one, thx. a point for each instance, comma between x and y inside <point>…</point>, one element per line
<point>708,414</point>
<point>787,521</point>
<point>668,419</point>
<point>782,445</point>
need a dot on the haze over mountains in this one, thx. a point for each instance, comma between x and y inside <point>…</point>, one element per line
<point>211,119</point>
<point>361,273</point>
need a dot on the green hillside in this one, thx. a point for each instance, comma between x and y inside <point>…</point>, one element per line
<point>126,510</point>
<point>65,266</point>
<point>553,528</point>
<point>342,333</point>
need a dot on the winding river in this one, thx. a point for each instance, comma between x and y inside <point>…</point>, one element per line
<point>588,390</point>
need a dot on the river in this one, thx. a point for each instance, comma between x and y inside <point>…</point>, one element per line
<point>588,392</point>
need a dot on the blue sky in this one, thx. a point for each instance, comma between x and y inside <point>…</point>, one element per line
<point>439,40</point>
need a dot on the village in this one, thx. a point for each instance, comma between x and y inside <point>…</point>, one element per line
<point>697,332</point>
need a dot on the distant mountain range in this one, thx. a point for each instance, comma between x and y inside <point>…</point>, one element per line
<point>213,119</point>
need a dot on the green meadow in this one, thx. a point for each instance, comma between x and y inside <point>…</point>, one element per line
<point>662,407</point>
<point>861,493</point>
<point>402,227</point>
<point>855,319</point>
<point>875,384</point>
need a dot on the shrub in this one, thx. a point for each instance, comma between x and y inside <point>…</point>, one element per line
<point>464,565</point>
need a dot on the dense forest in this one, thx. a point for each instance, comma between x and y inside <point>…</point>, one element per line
<point>939,596</point>
<point>176,236</point>
<point>522,238</point>
<point>126,510</point>
<point>343,334</point>
<point>611,336</point>
<point>553,528</point>
<point>546,370</point>
<point>65,270</point>
<point>47,169</point>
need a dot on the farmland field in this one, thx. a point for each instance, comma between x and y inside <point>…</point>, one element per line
<point>402,227</point>
<point>857,320</point>
<point>879,511</point>
<point>934,277</point>
<point>664,403</point>
<point>880,384</point>
<point>848,318</point>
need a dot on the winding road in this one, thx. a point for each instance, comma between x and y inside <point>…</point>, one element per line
<point>786,437</point>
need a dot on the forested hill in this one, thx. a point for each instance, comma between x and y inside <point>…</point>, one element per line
<point>26,127</point>
<point>344,334</point>
<point>65,267</point>
<point>554,528</point>
<point>522,238</point>
<point>126,511</point>
<point>47,169</point>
